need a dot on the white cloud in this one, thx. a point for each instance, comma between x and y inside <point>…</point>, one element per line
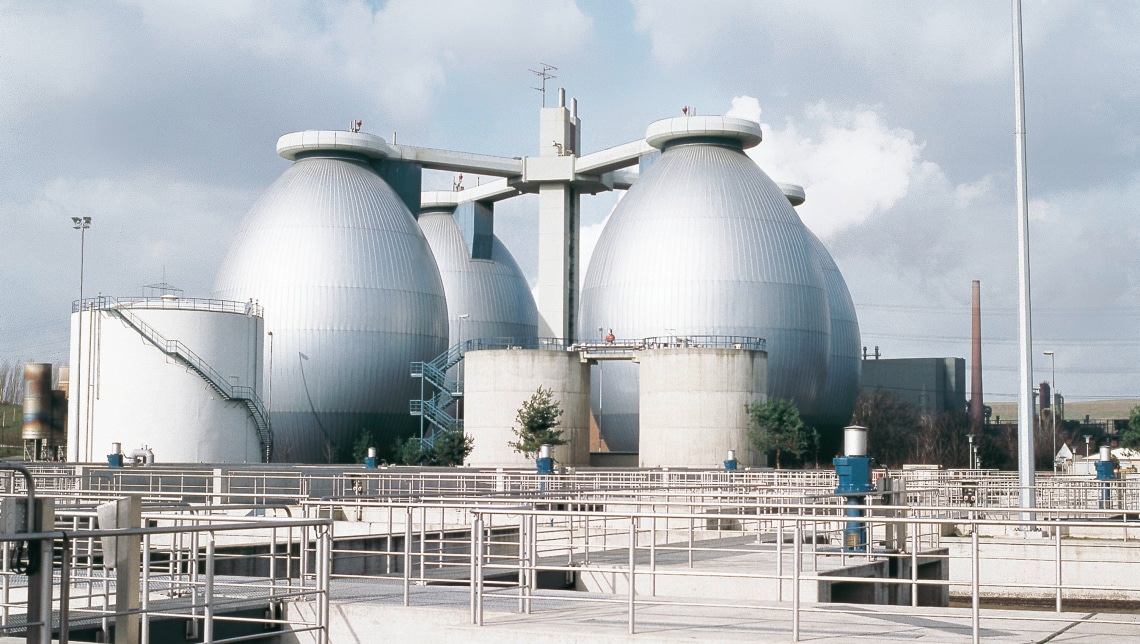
<point>745,107</point>
<point>850,163</point>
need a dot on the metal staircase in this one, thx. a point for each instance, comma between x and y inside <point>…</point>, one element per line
<point>443,389</point>
<point>185,355</point>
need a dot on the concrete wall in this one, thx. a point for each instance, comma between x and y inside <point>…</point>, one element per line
<point>496,385</point>
<point>692,405</point>
<point>126,390</point>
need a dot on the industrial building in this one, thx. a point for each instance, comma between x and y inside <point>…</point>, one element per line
<point>930,385</point>
<point>384,311</point>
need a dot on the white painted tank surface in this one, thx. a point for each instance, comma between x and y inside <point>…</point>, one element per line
<point>497,384</point>
<point>181,376</point>
<point>352,296</point>
<point>692,405</point>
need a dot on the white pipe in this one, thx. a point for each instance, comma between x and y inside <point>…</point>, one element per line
<point>146,455</point>
<point>1025,456</point>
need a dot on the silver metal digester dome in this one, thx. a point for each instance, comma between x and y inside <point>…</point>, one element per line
<point>841,390</point>
<point>480,276</point>
<point>705,243</point>
<point>351,295</point>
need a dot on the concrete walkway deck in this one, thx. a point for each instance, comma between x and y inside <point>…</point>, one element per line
<point>362,611</point>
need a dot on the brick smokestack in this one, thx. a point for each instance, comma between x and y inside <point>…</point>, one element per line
<point>977,408</point>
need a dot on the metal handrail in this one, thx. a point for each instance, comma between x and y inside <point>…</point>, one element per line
<point>103,302</point>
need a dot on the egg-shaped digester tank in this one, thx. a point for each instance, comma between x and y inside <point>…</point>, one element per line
<point>841,388</point>
<point>487,294</point>
<point>705,243</point>
<point>351,295</point>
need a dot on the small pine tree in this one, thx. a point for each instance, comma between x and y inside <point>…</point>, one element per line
<point>777,428</point>
<point>364,440</point>
<point>537,420</point>
<point>451,448</point>
<point>410,451</point>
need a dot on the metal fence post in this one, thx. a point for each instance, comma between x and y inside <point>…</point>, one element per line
<point>975,599</point>
<point>797,550</point>
<point>407,555</point>
<point>1057,536</point>
<point>208,626</point>
<point>632,572</point>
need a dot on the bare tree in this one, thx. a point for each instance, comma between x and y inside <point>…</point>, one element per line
<point>12,382</point>
<point>892,426</point>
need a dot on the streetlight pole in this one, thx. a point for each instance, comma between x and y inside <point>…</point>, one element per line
<point>601,407</point>
<point>1053,406</point>
<point>971,455</point>
<point>81,224</point>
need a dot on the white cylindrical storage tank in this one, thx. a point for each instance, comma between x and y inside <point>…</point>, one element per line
<point>497,384</point>
<point>693,405</point>
<point>351,292</point>
<point>180,376</point>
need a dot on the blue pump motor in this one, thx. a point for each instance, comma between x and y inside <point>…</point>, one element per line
<point>854,473</point>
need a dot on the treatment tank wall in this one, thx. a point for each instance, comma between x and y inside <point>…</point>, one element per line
<point>693,404</point>
<point>128,390</point>
<point>499,381</point>
<point>706,244</point>
<point>352,297</point>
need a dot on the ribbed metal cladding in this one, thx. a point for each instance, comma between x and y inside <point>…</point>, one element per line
<point>351,295</point>
<point>706,243</point>
<point>492,292</point>
<point>842,387</point>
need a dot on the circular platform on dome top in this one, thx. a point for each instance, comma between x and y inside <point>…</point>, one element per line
<point>795,194</point>
<point>295,144</point>
<point>439,199</point>
<point>661,133</point>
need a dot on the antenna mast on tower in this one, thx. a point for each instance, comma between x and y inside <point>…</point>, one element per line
<point>545,75</point>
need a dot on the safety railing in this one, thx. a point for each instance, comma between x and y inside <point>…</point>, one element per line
<point>180,303</point>
<point>643,554</point>
<point>209,571</point>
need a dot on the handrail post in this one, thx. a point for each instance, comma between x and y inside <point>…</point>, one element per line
<point>797,550</point>
<point>632,572</point>
<point>975,599</point>
<point>208,625</point>
<point>407,554</point>
<point>1057,537</point>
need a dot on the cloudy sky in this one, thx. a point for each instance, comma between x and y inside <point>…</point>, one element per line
<point>158,119</point>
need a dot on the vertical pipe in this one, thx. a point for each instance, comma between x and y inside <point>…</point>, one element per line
<point>1025,453</point>
<point>479,572</point>
<point>977,406</point>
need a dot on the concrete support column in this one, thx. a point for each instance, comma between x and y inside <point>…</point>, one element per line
<point>123,554</point>
<point>558,261</point>
<point>41,581</point>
